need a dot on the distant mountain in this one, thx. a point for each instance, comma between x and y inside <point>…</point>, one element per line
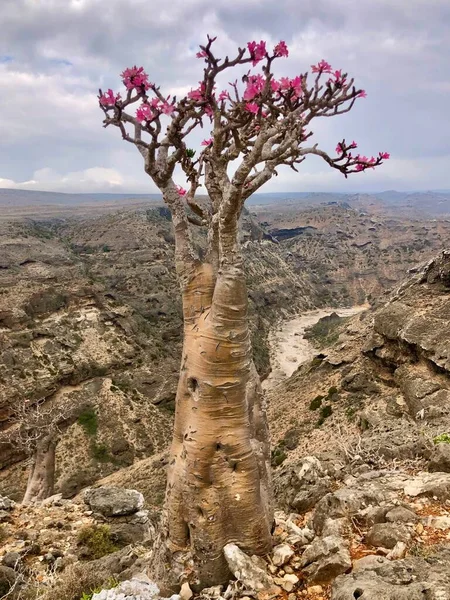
<point>14,197</point>
<point>27,203</point>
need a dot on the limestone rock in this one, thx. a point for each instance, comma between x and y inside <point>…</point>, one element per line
<point>345,502</point>
<point>429,484</point>
<point>370,587</point>
<point>386,535</point>
<point>114,501</point>
<point>11,560</point>
<point>440,459</point>
<point>9,580</point>
<point>138,588</point>
<point>401,515</point>
<point>246,570</point>
<point>281,554</point>
<point>6,503</point>
<point>398,551</point>
<point>325,559</point>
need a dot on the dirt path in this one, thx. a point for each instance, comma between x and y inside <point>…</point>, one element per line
<point>288,347</point>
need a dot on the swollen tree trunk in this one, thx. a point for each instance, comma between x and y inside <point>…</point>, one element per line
<point>42,475</point>
<point>219,488</point>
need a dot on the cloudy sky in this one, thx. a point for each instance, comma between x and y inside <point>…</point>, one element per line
<point>55,54</point>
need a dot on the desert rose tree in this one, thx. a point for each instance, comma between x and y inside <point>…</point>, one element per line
<point>219,485</point>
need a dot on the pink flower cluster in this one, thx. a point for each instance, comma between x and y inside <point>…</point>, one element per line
<point>257,51</point>
<point>255,85</point>
<point>135,78</point>
<point>340,148</point>
<point>362,162</point>
<point>109,98</point>
<point>152,109</point>
<point>281,49</point>
<point>181,191</point>
<point>199,93</point>
<point>337,78</point>
<point>207,142</point>
<point>365,163</point>
<point>321,67</point>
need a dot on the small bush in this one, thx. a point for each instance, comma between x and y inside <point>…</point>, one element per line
<point>325,412</point>
<point>88,421</point>
<point>316,403</point>
<point>96,541</point>
<point>278,455</point>
<point>76,582</point>
<point>333,390</point>
<point>100,452</point>
<point>443,438</point>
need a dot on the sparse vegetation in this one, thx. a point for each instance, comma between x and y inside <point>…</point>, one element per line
<point>74,581</point>
<point>325,412</point>
<point>89,421</point>
<point>326,331</point>
<point>443,438</point>
<point>96,541</point>
<point>279,454</point>
<point>316,403</point>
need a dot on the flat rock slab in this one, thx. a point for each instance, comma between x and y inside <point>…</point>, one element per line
<point>114,501</point>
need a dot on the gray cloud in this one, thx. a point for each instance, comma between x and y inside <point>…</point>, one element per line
<point>54,54</point>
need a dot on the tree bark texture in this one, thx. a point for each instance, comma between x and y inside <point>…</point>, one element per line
<point>219,487</point>
<point>42,475</point>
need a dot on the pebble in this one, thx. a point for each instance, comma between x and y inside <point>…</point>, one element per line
<point>315,589</point>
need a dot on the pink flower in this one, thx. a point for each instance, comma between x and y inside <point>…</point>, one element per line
<point>135,78</point>
<point>384,155</point>
<point>201,54</point>
<point>281,49</point>
<point>144,113</point>
<point>109,98</point>
<point>362,94</point>
<point>353,144</point>
<point>224,95</point>
<point>321,67</point>
<point>252,107</point>
<point>257,51</point>
<point>199,93</point>
<point>285,83</point>
<point>339,149</point>
<point>339,78</point>
<point>209,111</point>
<point>274,84</point>
<point>255,85</point>
<point>207,142</point>
<point>296,85</point>
<point>181,191</point>
<point>166,108</point>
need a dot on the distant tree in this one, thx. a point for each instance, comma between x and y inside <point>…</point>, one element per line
<point>219,486</point>
<point>35,430</point>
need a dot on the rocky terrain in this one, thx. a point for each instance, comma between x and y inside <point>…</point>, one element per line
<point>361,452</point>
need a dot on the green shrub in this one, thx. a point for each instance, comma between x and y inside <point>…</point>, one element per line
<point>88,421</point>
<point>316,403</point>
<point>325,412</point>
<point>333,390</point>
<point>278,455</point>
<point>96,541</point>
<point>100,452</point>
<point>443,438</point>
